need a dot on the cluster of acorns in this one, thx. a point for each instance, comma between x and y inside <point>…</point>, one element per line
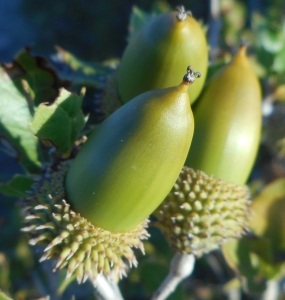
<point>91,211</point>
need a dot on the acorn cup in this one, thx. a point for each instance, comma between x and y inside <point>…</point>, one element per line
<point>91,211</point>
<point>205,208</point>
<point>158,51</point>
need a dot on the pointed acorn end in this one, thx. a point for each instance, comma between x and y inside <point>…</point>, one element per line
<point>190,76</point>
<point>243,45</point>
<point>182,13</point>
<point>242,49</point>
<point>84,249</point>
<point>202,212</point>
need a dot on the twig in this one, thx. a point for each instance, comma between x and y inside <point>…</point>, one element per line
<point>181,266</point>
<point>106,290</point>
<point>234,294</point>
<point>272,291</point>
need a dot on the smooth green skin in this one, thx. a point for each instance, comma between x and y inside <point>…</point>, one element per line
<point>228,123</point>
<point>156,55</point>
<point>128,166</point>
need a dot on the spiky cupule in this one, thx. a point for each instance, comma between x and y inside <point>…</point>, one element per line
<point>201,212</point>
<point>84,249</point>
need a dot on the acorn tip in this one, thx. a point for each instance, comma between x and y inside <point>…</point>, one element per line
<point>190,76</point>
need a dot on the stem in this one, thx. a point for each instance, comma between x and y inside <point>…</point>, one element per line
<point>181,266</point>
<point>272,291</point>
<point>105,289</point>
<point>234,294</point>
<point>267,105</point>
<point>182,13</point>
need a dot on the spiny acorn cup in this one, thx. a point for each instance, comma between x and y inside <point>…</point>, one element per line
<point>226,139</point>
<point>156,54</point>
<point>91,211</point>
<point>202,212</point>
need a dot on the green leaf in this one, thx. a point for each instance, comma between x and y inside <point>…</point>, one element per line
<point>41,78</point>
<point>15,116</point>
<point>139,17</point>
<point>60,123</point>
<point>252,258</point>
<point>4,297</point>
<point>271,39</point>
<point>81,73</point>
<point>279,61</point>
<point>268,219</point>
<point>17,187</point>
<point>262,257</point>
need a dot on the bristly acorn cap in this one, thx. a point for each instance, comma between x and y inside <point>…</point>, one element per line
<point>84,249</point>
<point>201,212</point>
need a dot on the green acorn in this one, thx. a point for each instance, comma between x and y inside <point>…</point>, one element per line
<point>228,123</point>
<point>90,212</point>
<point>118,171</point>
<point>226,139</point>
<point>72,240</point>
<point>156,54</point>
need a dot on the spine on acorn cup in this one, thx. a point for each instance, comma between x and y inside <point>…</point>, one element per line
<point>209,202</point>
<point>90,212</point>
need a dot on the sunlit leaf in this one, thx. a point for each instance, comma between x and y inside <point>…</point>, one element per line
<point>80,72</point>
<point>262,257</point>
<point>251,258</point>
<point>271,39</point>
<point>42,79</point>
<point>16,135</point>
<point>279,60</point>
<point>60,123</point>
<point>4,297</point>
<point>268,218</point>
<point>139,17</point>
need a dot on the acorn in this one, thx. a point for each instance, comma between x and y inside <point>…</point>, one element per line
<point>158,51</point>
<point>228,123</point>
<point>75,243</point>
<point>91,211</point>
<point>118,171</point>
<point>209,204</point>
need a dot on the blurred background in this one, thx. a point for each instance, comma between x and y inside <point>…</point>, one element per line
<point>93,30</point>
